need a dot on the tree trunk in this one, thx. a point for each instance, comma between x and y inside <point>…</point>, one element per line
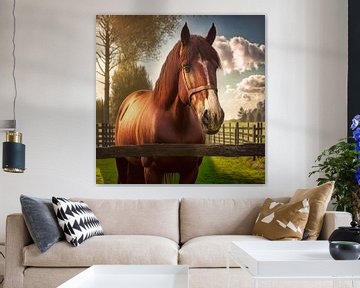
<point>107,73</point>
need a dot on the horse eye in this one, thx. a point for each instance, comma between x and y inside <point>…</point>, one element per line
<point>187,68</point>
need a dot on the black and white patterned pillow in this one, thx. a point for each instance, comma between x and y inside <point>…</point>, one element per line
<point>77,220</point>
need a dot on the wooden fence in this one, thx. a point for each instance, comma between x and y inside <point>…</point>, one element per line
<point>233,139</point>
<point>238,132</point>
<point>105,135</point>
<point>231,133</point>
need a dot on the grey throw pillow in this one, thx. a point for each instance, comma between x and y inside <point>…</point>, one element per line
<point>41,221</point>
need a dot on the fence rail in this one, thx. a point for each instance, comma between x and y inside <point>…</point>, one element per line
<point>234,139</point>
<point>231,133</point>
<point>174,150</point>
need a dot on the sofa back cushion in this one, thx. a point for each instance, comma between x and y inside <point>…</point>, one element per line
<point>200,217</point>
<point>158,217</point>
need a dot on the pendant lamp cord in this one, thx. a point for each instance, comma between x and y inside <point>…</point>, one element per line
<point>14,61</point>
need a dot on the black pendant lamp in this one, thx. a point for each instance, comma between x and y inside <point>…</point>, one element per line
<point>13,150</point>
<point>13,153</point>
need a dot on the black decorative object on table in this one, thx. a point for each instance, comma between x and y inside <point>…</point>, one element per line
<point>345,233</point>
<point>344,250</point>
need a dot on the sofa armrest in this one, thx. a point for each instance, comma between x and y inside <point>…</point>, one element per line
<point>333,220</point>
<point>17,237</point>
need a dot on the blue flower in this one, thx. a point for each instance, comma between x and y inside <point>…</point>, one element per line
<point>356,134</point>
<point>357,147</point>
<point>355,122</point>
<point>357,176</point>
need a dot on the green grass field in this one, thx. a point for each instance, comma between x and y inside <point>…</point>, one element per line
<point>213,170</point>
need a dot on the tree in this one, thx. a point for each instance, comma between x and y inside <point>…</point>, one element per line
<point>140,37</point>
<point>241,113</point>
<point>260,112</point>
<point>127,79</point>
<point>99,111</point>
<point>250,117</point>
<point>107,54</point>
<point>128,39</point>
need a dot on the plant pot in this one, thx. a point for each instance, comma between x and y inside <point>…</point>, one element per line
<point>351,233</point>
<point>344,250</point>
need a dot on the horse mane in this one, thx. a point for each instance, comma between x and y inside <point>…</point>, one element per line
<point>166,87</point>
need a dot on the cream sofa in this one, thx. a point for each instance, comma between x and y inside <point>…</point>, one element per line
<point>194,232</point>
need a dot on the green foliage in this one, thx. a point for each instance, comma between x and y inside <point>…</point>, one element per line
<point>107,171</point>
<point>252,115</point>
<point>140,37</point>
<point>126,79</point>
<point>339,163</point>
<point>99,178</point>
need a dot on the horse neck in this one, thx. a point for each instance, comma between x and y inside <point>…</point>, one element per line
<point>166,87</point>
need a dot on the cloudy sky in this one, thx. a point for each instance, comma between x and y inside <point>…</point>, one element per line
<point>240,43</point>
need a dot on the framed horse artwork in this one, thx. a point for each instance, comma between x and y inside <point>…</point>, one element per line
<point>180,99</point>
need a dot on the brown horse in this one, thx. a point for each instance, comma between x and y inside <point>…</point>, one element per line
<point>182,107</point>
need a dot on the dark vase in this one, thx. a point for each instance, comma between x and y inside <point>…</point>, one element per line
<point>344,233</point>
<point>344,250</point>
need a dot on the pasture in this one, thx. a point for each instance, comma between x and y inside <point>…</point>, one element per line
<point>213,170</point>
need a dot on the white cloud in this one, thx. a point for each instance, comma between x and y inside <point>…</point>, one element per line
<point>252,84</point>
<point>238,54</point>
<point>247,93</point>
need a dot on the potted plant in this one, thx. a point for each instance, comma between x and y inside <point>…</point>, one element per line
<point>341,163</point>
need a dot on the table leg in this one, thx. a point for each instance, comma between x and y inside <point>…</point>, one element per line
<point>228,269</point>
<point>255,283</point>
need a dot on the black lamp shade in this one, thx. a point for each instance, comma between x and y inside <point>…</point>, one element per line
<point>13,157</point>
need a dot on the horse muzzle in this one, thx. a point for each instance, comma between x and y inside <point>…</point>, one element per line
<point>212,121</point>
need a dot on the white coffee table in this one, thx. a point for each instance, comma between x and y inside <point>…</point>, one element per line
<point>300,260</point>
<point>131,276</point>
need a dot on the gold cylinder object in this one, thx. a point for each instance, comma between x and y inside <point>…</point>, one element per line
<point>14,136</point>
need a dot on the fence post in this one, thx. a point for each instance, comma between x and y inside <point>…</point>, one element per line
<point>223,130</point>
<point>97,135</point>
<point>254,138</point>
<point>230,132</point>
<point>237,133</point>
<point>261,132</point>
<point>242,134</point>
<point>258,133</point>
<point>106,134</point>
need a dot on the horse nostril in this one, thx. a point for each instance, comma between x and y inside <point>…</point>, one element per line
<point>205,117</point>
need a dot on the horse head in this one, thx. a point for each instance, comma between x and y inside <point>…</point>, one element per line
<point>197,82</point>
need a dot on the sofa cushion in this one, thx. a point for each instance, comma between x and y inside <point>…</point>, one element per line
<point>279,221</point>
<point>158,217</point>
<point>200,217</point>
<point>77,220</point>
<point>107,249</point>
<point>41,221</point>
<point>319,198</point>
<point>211,251</point>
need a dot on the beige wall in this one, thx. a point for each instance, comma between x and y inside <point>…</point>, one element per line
<point>306,93</point>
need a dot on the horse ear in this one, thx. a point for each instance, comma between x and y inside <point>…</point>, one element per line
<point>211,35</point>
<point>185,35</point>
